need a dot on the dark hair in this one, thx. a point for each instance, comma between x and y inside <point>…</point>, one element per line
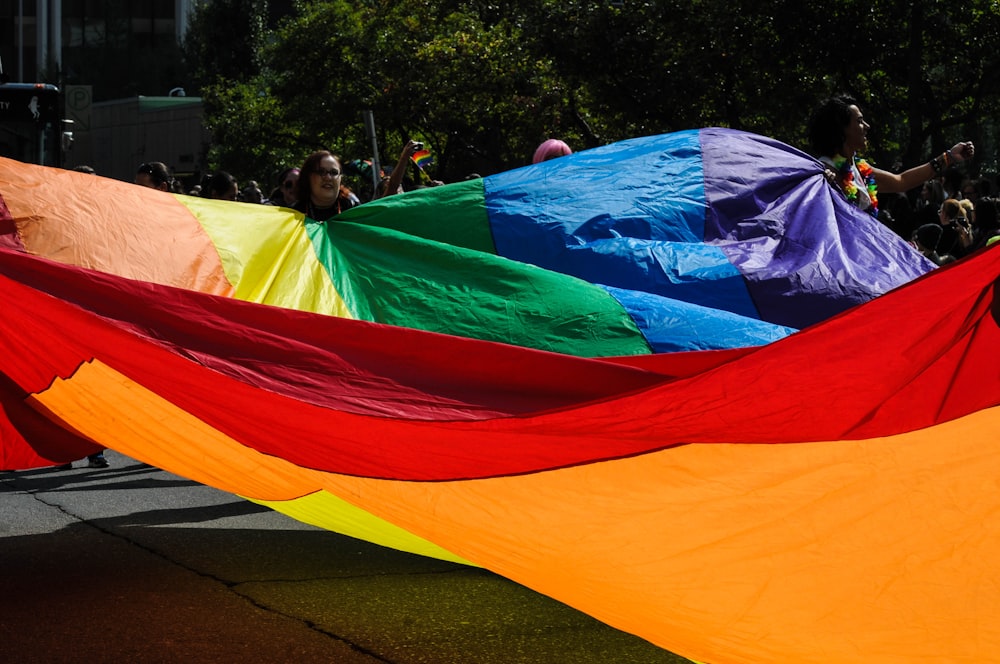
<point>986,214</point>
<point>217,184</point>
<point>303,190</point>
<point>284,175</point>
<point>252,193</point>
<point>936,190</point>
<point>828,123</point>
<point>156,170</point>
<point>929,236</point>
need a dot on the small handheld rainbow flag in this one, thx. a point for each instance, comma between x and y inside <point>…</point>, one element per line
<point>422,158</point>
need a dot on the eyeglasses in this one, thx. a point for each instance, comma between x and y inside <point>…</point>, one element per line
<point>288,184</point>
<point>322,172</point>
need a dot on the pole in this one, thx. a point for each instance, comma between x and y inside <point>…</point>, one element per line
<point>20,40</point>
<point>369,117</point>
<point>55,39</point>
<point>42,37</point>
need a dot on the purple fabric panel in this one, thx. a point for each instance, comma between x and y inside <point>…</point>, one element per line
<point>806,253</point>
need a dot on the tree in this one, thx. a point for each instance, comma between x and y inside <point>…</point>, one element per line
<point>925,71</point>
<point>473,92</point>
<point>483,83</point>
<point>223,41</point>
<point>251,135</point>
<point>222,51</point>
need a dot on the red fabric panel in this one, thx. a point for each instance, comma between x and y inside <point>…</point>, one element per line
<point>353,366</point>
<point>681,365</point>
<point>19,423</point>
<point>858,375</point>
<point>8,230</point>
<point>349,366</point>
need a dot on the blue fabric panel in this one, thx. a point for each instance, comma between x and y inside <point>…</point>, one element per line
<point>671,325</point>
<point>733,222</point>
<point>629,215</point>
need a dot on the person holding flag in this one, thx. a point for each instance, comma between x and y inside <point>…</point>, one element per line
<point>413,151</point>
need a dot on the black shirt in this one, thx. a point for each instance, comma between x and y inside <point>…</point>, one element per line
<point>324,213</point>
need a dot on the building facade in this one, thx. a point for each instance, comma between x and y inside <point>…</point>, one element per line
<point>62,41</point>
<point>118,65</point>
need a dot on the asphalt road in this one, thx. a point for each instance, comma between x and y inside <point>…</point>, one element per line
<point>133,564</point>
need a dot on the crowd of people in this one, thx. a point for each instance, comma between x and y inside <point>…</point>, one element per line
<point>941,212</point>
<point>947,221</point>
<point>307,188</point>
<point>933,205</point>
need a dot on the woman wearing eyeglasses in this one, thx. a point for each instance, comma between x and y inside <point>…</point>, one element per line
<point>321,195</point>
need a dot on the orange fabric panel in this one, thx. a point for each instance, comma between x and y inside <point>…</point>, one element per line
<point>846,551</point>
<point>166,245</point>
<point>105,405</point>
<point>97,398</point>
<point>842,551</point>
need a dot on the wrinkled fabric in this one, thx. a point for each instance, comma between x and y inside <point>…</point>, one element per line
<point>821,489</point>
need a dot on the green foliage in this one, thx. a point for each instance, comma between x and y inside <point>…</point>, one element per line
<point>446,78</point>
<point>316,68</point>
<point>482,83</point>
<point>249,130</point>
<point>463,85</point>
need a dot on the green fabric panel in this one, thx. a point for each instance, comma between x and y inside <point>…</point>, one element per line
<point>453,213</point>
<point>391,277</point>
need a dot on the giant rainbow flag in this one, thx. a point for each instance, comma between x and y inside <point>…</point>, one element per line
<point>479,372</point>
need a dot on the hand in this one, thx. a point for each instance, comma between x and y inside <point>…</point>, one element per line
<point>412,147</point>
<point>409,150</point>
<point>962,151</point>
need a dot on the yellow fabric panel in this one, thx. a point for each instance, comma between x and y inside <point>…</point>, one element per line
<point>327,511</point>
<point>103,227</point>
<point>268,255</point>
<point>818,552</point>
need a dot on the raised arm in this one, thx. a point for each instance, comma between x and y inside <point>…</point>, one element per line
<point>895,183</point>
<point>396,179</point>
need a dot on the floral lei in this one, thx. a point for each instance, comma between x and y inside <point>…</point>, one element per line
<point>846,180</point>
